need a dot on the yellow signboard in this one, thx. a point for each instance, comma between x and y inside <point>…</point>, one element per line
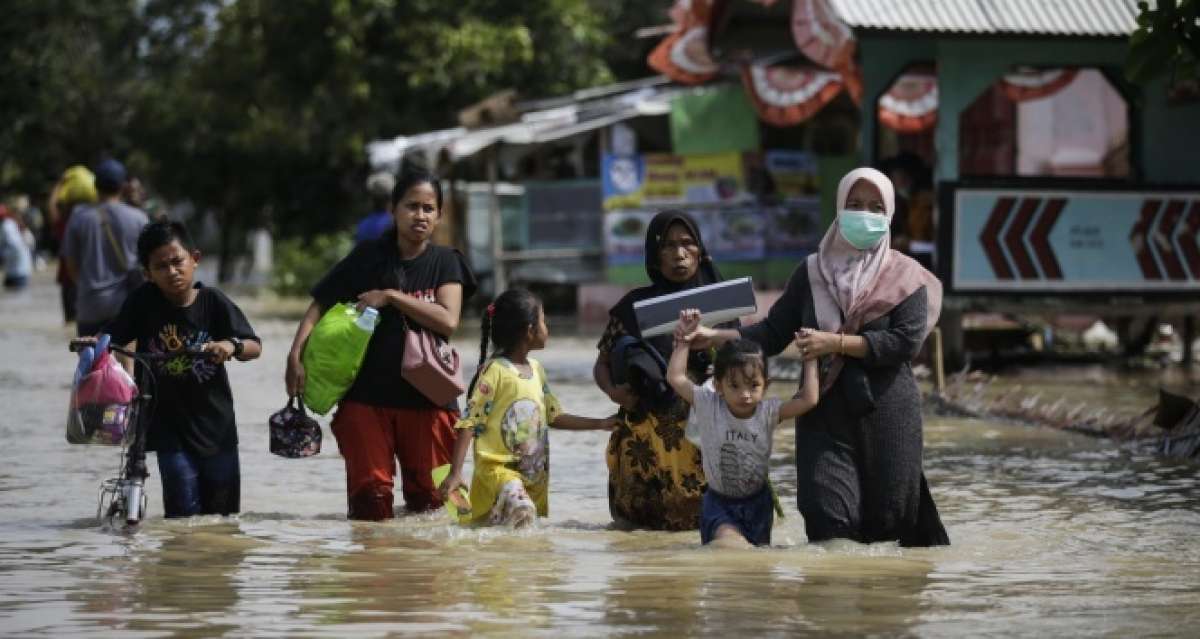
<point>662,179</point>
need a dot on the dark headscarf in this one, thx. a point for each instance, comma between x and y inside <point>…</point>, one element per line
<point>706,273</point>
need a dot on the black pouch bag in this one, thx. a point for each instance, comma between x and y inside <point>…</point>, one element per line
<point>293,432</point>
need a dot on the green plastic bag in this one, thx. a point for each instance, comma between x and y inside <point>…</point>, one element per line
<point>332,356</point>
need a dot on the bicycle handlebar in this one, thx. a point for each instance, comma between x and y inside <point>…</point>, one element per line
<point>77,344</point>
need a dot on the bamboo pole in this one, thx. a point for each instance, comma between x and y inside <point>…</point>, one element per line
<point>939,366</point>
<point>498,275</point>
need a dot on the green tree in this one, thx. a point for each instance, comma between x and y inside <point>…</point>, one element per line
<point>69,76</point>
<point>259,110</point>
<point>1167,41</point>
<point>271,119</point>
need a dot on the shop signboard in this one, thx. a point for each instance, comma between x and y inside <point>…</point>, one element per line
<point>764,233</point>
<point>658,179</point>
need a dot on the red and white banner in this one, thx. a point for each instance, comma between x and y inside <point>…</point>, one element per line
<point>821,35</point>
<point>911,104</point>
<point>683,56</point>
<point>786,96</point>
<point>1037,84</point>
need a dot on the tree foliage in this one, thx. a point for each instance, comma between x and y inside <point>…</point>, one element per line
<point>1167,41</point>
<point>259,110</point>
<point>66,93</point>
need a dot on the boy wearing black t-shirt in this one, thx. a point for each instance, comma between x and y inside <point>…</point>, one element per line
<point>193,428</point>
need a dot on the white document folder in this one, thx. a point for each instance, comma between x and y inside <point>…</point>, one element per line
<point>717,303</point>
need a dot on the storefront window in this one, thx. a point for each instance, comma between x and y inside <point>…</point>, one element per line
<point>1046,123</point>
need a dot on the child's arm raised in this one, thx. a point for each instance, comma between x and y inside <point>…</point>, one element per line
<point>677,377</point>
<point>563,421</point>
<point>808,395</point>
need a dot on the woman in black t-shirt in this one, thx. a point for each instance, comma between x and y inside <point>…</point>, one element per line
<point>383,419</point>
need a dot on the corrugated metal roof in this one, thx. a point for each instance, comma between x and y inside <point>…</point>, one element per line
<point>1014,17</point>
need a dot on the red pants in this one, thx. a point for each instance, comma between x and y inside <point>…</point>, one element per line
<point>373,439</point>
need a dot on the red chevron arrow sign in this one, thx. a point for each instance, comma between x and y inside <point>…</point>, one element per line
<point>1011,226</point>
<point>1068,240</point>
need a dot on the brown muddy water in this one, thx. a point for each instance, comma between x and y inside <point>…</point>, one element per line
<point>1054,534</point>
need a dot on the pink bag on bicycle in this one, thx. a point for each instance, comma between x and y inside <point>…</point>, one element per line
<point>101,407</point>
<point>432,367</point>
<point>106,383</point>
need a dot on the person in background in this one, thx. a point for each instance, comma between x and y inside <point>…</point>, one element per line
<point>77,186</point>
<point>35,226</point>
<point>100,250</point>
<point>14,251</point>
<point>912,224</point>
<point>922,245</point>
<point>379,188</point>
<point>136,195</point>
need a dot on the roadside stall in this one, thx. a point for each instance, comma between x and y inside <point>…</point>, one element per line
<point>1060,188</point>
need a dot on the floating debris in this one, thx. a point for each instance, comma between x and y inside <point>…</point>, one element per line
<point>1170,428</point>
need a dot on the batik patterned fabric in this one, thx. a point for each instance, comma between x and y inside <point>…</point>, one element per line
<point>510,414</point>
<point>655,477</point>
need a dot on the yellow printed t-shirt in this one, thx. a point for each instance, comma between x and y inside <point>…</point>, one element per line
<point>510,416</point>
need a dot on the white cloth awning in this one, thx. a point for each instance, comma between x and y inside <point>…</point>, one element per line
<point>535,127</point>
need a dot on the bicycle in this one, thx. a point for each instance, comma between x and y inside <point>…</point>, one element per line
<point>125,495</point>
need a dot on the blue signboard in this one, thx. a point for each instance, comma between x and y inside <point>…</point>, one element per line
<point>622,175</point>
<point>1013,239</point>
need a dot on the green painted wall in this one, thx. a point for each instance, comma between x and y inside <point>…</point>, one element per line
<point>1170,138</point>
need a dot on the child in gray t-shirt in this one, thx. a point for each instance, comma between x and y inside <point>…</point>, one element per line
<point>733,426</point>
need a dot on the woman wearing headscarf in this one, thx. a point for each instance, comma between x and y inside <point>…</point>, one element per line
<point>655,479</point>
<point>863,310</point>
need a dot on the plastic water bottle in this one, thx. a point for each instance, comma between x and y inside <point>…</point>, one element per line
<point>366,320</point>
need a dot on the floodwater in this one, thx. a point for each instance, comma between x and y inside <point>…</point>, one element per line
<point>1054,534</point>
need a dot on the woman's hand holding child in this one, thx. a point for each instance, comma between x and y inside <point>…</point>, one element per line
<point>814,344</point>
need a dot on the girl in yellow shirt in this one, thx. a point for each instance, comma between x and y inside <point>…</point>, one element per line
<point>508,417</point>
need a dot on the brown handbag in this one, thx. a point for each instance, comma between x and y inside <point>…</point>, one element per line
<point>432,366</point>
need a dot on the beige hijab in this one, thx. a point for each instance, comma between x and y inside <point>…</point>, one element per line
<point>852,288</point>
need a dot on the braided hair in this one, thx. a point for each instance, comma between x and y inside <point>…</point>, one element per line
<point>506,322</point>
